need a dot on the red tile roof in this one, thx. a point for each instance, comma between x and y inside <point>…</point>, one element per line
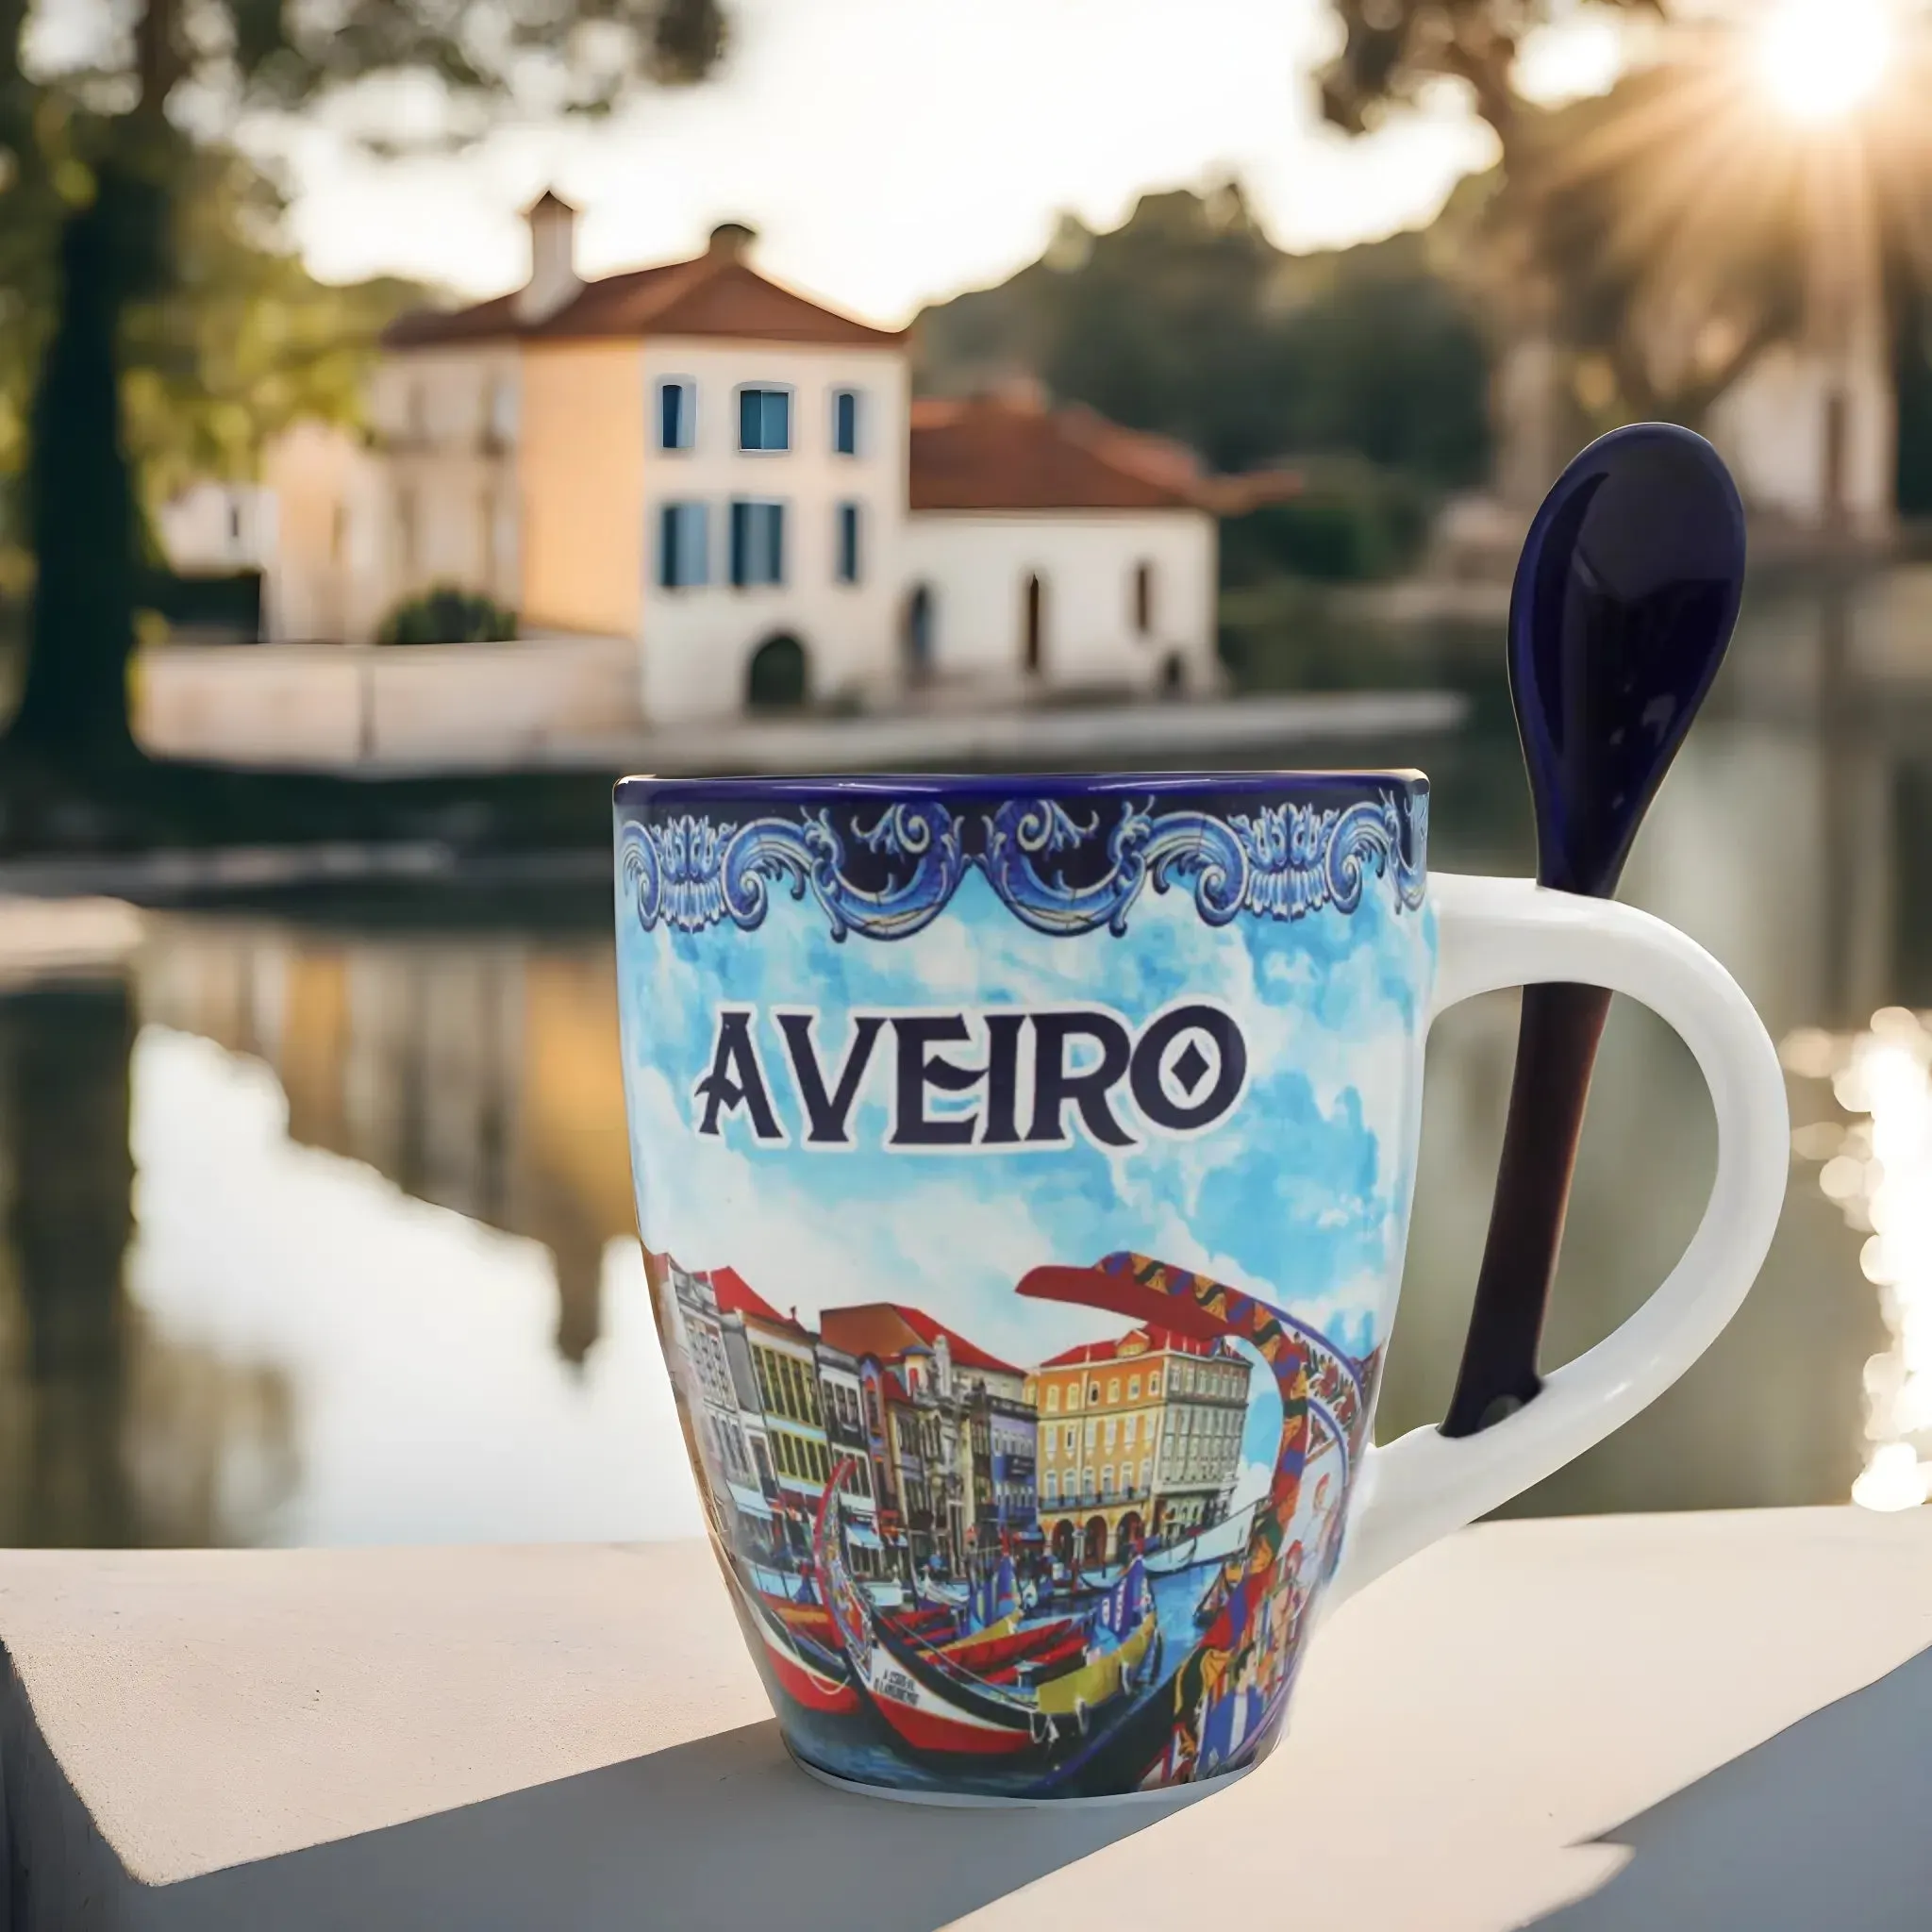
<point>888,1330</point>
<point>995,453</point>
<point>736,1296</point>
<point>1155,1340</point>
<point>963,1351</point>
<point>713,294</point>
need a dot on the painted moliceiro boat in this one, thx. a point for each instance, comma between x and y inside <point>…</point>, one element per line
<point>1012,1688</point>
<point>1027,1677</point>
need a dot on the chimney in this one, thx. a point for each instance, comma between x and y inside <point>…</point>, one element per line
<point>552,258</point>
<point>731,242</point>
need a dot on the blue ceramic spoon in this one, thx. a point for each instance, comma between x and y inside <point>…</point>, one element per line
<point>1624,598</point>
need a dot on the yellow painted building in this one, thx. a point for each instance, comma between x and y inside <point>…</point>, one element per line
<point>1139,1437</point>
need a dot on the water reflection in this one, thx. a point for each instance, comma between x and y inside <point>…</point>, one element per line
<point>1877,1168</point>
<point>318,1227</point>
<point>111,1430</point>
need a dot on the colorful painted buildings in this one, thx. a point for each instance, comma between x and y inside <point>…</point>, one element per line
<point>949,1451</point>
<point>698,461</point>
<point>1139,1439</point>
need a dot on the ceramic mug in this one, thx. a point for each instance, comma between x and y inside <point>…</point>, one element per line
<point>1023,1171</point>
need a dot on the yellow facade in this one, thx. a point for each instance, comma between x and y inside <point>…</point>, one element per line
<point>1099,1438</point>
<point>581,460</point>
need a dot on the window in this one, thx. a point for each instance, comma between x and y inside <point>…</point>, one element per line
<point>1111,1436</point>
<point>405,527</point>
<point>501,411</point>
<point>1133,1388</point>
<point>1070,1438</point>
<point>764,419</point>
<point>758,542</point>
<point>1144,598</point>
<point>1092,1393</point>
<point>1073,1396</point>
<point>1131,1430</point>
<point>1113,1388</point>
<point>844,422</point>
<point>683,546</point>
<point>846,551</point>
<point>1107,1480</point>
<point>1153,1383</point>
<point>1092,1431</point>
<point>1146,1471</point>
<point>1053,1399</point>
<point>1087,1482</point>
<point>1052,1489</point>
<point>677,414</point>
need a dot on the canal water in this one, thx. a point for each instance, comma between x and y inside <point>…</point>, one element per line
<point>315,1224</point>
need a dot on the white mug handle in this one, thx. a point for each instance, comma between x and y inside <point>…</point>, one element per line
<point>1495,933</point>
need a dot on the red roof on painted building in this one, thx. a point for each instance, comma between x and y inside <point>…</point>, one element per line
<point>737,1296</point>
<point>1012,453</point>
<point>887,1330</point>
<point>1152,1341</point>
<point>715,294</point>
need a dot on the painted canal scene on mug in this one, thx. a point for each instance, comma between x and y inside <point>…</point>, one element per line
<point>1023,1186</point>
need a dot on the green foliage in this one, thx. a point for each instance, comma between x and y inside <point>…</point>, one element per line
<point>1395,51</point>
<point>246,343</point>
<point>1352,523</point>
<point>447,614</point>
<point>1189,322</point>
<point>120,253</point>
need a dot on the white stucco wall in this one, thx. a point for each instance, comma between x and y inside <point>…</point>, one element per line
<point>698,642</point>
<point>977,565</point>
<point>328,577</point>
<point>433,705</point>
<point>431,498</point>
<point>219,526</point>
<point>1770,427</point>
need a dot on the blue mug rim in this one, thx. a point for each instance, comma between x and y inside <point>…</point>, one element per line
<point>812,787</point>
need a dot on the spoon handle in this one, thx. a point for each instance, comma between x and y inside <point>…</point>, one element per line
<point>1555,1048</point>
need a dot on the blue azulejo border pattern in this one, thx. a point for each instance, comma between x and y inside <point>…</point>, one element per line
<point>887,876</point>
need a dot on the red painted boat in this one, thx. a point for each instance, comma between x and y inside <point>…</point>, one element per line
<point>814,1675</point>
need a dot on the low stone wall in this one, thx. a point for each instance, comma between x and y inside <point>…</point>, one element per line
<point>334,706</point>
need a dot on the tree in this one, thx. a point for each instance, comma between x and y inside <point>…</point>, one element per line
<point>1669,232</point>
<point>1392,51</point>
<point>251,344</point>
<point>1187,319</point>
<point>102,164</point>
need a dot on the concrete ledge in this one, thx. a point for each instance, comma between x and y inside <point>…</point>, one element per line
<point>1644,1722</point>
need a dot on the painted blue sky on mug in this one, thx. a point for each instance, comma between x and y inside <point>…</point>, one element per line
<point>1299,1193</point>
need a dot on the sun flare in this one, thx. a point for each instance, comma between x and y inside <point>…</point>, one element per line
<point>1821,59</point>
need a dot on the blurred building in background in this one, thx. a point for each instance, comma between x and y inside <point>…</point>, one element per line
<point>697,461</point>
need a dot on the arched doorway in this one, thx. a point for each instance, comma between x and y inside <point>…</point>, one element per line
<point>1063,1543</point>
<point>1095,1553</point>
<point>779,675</point>
<point>1033,635</point>
<point>917,638</point>
<point>1129,1537</point>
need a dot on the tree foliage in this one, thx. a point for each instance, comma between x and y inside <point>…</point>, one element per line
<point>245,342</point>
<point>1394,51</point>
<point>117,228</point>
<point>1188,321</point>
